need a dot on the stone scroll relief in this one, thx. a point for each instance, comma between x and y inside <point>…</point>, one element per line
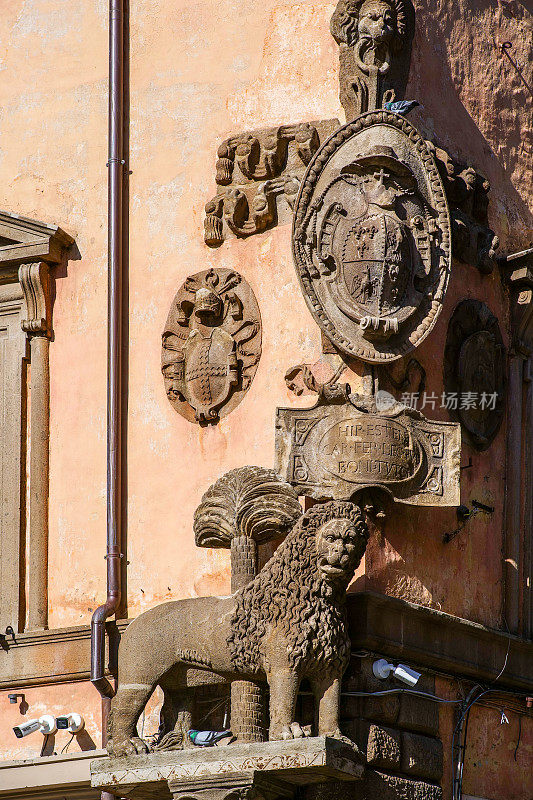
<point>374,38</point>
<point>372,240</point>
<point>258,175</point>
<point>211,345</point>
<point>345,444</point>
<point>474,366</point>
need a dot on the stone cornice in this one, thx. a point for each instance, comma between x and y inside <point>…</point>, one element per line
<point>50,778</point>
<point>520,276</point>
<point>28,249</point>
<point>23,241</point>
<point>385,625</point>
<point>47,657</point>
<point>434,640</point>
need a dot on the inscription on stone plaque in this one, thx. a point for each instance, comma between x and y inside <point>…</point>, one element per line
<point>333,451</point>
<point>371,238</point>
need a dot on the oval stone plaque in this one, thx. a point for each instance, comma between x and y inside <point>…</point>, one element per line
<point>365,449</point>
<point>211,345</point>
<point>371,238</point>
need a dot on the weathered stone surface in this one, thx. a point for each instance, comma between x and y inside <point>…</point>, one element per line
<point>258,175</point>
<point>384,747</point>
<point>372,238</point>
<point>211,345</point>
<point>296,763</point>
<point>419,714</point>
<point>475,366</point>
<point>246,786</point>
<point>287,624</point>
<point>473,241</point>
<point>380,786</point>
<point>335,448</point>
<point>374,38</point>
<point>384,709</point>
<point>335,791</point>
<point>421,756</point>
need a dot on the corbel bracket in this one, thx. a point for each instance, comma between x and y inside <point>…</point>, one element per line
<point>520,276</point>
<point>35,282</point>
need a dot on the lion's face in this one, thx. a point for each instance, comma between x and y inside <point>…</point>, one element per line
<point>376,21</point>
<point>338,553</point>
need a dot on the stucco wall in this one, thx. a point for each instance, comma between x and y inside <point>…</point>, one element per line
<point>200,71</point>
<point>196,76</point>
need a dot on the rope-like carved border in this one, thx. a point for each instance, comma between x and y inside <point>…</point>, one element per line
<point>314,170</point>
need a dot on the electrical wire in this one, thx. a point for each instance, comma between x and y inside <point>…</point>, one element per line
<point>400,691</point>
<point>519,736</point>
<point>65,748</point>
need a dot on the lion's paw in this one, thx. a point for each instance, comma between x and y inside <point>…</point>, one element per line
<point>292,731</point>
<point>128,747</point>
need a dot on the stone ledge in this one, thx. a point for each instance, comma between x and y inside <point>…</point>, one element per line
<point>48,657</point>
<point>430,638</point>
<point>49,777</point>
<point>299,762</point>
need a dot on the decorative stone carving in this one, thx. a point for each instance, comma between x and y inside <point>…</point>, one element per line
<point>468,195</point>
<point>211,345</point>
<point>258,175</point>
<point>371,238</point>
<point>374,37</point>
<point>474,366</point>
<point>344,445</point>
<point>253,502</point>
<point>246,507</point>
<point>265,771</point>
<point>28,252</point>
<point>287,624</point>
<point>35,282</point>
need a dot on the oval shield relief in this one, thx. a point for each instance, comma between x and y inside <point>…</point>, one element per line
<point>371,238</point>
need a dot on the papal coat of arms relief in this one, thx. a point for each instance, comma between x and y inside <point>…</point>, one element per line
<point>372,238</point>
<point>211,345</point>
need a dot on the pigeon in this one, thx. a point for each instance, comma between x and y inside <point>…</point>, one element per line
<point>210,738</point>
<point>401,106</point>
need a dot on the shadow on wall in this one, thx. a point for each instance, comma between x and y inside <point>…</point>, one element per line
<point>477,99</point>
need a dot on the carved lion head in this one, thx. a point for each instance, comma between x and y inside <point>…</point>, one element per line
<point>306,578</point>
<point>380,21</point>
<point>340,540</point>
<point>377,21</point>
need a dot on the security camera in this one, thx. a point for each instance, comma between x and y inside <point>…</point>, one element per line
<point>26,728</point>
<point>382,669</point>
<point>70,722</point>
<point>46,724</point>
<point>406,675</point>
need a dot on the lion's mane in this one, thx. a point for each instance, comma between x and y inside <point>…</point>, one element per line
<point>344,21</point>
<point>290,593</point>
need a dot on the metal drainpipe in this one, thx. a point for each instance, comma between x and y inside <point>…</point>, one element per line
<point>114,358</point>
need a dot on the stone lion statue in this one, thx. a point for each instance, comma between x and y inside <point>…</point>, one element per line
<point>287,624</point>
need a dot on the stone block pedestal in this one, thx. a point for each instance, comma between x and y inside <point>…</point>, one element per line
<point>252,771</point>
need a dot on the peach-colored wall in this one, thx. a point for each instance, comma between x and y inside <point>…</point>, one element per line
<point>200,71</point>
<point>55,700</point>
